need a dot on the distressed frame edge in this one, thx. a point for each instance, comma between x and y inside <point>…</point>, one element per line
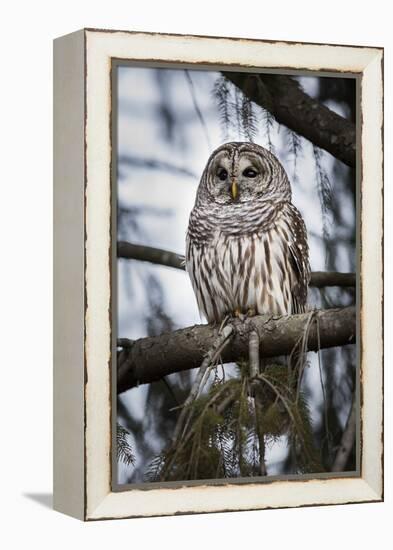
<point>69,275</point>
<point>375,492</point>
<point>361,493</point>
<point>371,270</point>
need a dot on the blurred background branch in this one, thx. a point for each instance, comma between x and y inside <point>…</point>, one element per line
<point>283,97</point>
<point>155,164</point>
<point>158,256</point>
<point>150,254</point>
<point>347,441</point>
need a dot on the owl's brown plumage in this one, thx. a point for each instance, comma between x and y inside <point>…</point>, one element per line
<point>246,246</point>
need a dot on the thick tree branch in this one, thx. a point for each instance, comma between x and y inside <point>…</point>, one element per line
<point>150,359</point>
<point>132,251</point>
<point>283,97</point>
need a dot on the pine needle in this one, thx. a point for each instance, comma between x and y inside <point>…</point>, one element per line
<point>125,452</point>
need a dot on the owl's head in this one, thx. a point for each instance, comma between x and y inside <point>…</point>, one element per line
<point>240,172</point>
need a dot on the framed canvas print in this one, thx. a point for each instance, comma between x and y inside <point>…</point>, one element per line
<point>218,274</point>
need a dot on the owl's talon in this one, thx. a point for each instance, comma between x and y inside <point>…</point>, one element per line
<point>239,315</point>
<point>244,316</point>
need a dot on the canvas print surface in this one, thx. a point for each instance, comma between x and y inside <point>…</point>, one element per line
<point>235,277</point>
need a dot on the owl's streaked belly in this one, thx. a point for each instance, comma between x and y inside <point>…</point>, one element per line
<point>244,273</point>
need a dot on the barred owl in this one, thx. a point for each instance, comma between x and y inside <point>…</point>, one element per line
<point>246,246</point>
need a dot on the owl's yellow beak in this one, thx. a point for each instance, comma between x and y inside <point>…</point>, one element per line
<point>234,190</point>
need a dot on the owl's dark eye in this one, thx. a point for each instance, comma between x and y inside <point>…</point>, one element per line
<point>222,174</point>
<point>250,173</point>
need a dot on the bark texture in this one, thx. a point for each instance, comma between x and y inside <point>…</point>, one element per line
<point>149,359</point>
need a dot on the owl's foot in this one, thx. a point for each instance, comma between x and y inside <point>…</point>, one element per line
<point>240,315</point>
<point>243,316</point>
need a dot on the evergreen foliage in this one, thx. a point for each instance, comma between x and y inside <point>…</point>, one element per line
<point>124,449</point>
<point>230,423</point>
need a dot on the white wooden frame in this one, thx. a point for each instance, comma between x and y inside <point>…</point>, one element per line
<point>82,386</point>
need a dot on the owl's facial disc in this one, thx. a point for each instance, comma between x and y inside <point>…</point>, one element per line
<point>235,178</point>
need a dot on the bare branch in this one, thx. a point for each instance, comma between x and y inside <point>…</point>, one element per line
<point>218,345</point>
<point>155,164</point>
<point>283,97</point>
<point>347,441</point>
<point>132,251</point>
<point>150,359</point>
<point>320,279</point>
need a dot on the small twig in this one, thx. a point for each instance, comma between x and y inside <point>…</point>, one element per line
<point>325,404</point>
<point>213,361</point>
<point>155,164</point>
<point>222,338</point>
<point>225,402</point>
<point>303,351</point>
<point>177,445</point>
<point>171,392</point>
<point>265,380</point>
<point>261,437</point>
<point>347,441</point>
<point>242,397</point>
<point>253,357</point>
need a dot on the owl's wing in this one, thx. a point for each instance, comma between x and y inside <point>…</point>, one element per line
<point>298,259</point>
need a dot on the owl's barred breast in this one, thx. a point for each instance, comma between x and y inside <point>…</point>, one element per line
<point>251,270</point>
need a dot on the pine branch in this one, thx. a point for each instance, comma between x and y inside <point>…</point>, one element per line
<point>124,450</point>
<point>151,358</point>
<point>283,97</point>
<point>158,256</point>
<point>221,93</point>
